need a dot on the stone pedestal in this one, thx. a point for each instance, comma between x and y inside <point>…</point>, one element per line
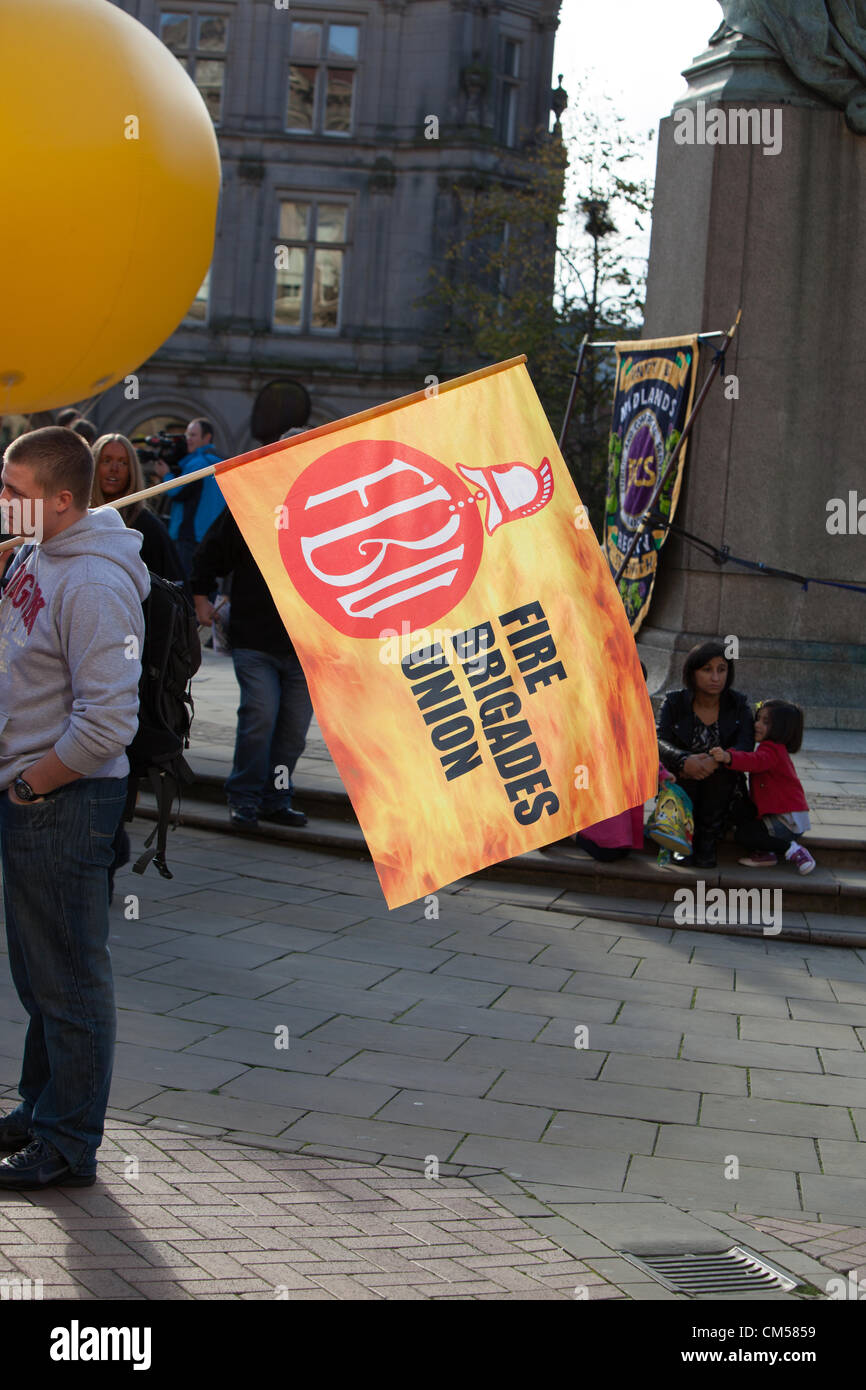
<point>783,237</point>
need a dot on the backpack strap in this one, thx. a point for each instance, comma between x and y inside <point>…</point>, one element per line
<point>164,787</point>
<point>166,784</point>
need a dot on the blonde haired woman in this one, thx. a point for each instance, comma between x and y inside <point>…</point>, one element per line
<point>117,474</point>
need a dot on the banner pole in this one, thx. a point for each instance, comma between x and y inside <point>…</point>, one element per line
<point>316,432</point>
<point>165,486</point>
<point>575,377</point>
<point>711,376</point>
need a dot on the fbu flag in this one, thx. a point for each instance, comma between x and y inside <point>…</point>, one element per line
<point>467,654</point>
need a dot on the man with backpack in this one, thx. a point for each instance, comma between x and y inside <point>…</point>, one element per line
<point>71,633</point>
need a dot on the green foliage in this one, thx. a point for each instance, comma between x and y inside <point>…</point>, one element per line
<point>534,260</point>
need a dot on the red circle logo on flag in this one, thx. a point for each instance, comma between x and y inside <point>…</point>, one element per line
<point>380,534</point>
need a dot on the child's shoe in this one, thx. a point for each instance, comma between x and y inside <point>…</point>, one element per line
<point>760,859</point>
<point>801,859</point>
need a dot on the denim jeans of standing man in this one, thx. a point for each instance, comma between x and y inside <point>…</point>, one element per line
<point>273,718</point>
<point>56,854</point>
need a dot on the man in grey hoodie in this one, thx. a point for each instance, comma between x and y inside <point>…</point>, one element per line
<point>71,629</point>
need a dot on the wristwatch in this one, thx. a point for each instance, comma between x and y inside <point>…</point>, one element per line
<point>24,791</point>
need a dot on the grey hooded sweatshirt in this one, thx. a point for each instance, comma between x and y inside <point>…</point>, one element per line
<point>71,633</point>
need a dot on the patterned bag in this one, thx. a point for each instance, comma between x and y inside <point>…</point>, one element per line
<point>672,823</point>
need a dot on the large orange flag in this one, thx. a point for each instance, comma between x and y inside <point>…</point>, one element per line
<point>467,653</point>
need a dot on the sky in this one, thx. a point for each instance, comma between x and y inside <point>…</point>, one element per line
<point>633,51</point>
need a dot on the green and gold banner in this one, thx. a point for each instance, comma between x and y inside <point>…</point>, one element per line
<point>655,386</point>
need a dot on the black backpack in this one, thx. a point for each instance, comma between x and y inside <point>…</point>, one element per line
<point>170,657</point>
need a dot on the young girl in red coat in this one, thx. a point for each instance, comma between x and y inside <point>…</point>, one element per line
<point>779,810</point>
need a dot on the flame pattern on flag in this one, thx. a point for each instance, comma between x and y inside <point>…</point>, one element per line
<point>593,728</point>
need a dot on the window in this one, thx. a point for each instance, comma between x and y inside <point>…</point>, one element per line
<point>309,265</point>
<point>200,44</point>
<point>197,311</point>
<point>510,93</point>
<point>322,75</point>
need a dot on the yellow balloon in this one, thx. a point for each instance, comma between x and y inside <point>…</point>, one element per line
<point>110,172</point>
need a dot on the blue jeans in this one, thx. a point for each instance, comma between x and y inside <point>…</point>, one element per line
<point>56,855</point>
<point>273,718</point>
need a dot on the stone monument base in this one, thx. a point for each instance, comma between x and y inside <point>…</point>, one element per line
<point>766,669</point>
<point>783,431</point>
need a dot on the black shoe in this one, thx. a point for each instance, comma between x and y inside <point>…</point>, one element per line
<point>12,1136</point>
<point>702,857</point>
<point>243,820</point>
<point>285,816</point>
<point>40,1165</point>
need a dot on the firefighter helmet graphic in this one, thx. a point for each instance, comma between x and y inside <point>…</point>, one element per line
<point>512,490</point>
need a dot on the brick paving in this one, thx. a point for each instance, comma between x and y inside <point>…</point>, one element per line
<point>173,1217</point>
<point>838,1247</point>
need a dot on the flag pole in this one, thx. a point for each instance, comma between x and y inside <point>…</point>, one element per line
<point>119,502</point>
<point>372,413</point>
<point>711,375</point>
<point>575,377</point>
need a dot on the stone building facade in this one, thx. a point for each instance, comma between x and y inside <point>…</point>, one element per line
<point>342,129</point>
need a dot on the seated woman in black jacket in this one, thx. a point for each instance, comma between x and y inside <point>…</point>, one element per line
<point>705,713</point>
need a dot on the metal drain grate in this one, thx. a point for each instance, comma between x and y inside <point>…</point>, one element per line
<point>737,1270</point>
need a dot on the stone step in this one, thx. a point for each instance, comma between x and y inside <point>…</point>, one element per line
<point>633,886</point>
<point>842,846</point>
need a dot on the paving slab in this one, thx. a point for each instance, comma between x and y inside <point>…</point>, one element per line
<point>817,1012</point>
<point>601,1132</point>
<point>844,1195</point>
<point>777,1117</point>
<point>403,1039</point>
<point>260,1014</point>
<point>304,996</point>
<point>503,1053</point>
<point>211,979</point>
<point>616,1038</point>
<point>691,1184</point>
<point>453,1077</point>
<point>600,1097</point>
<point>693,1022</point>
<point>253,1049</point>
<point>495,1023</point>
<point>415,1142</point>
<point>325,1093</point>
<point>843,1063</point>
<point>642,1227</point>
<point>713,1145</point>
<point>800,1086</point>
<point>226,1112</point>
<point>170,1068</point>
<point>677,1075</point>
<point>842,1158</point>
<point>589,982</point>
<point>745,1053</point>
<point>418,985</point>
<point>467,1114</point>
<point>544,1004</point>
<point>799,1032</point>
<point>593,1168</point>
<point>745,1002</point>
